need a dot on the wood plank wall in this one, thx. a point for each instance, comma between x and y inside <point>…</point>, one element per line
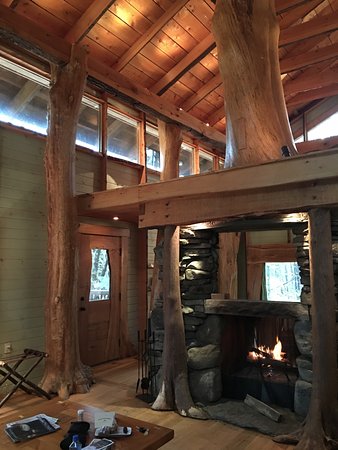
<point>23,236</point>
<point>23,242</point>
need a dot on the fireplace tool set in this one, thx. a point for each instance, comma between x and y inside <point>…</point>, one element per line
<point>146,368</point>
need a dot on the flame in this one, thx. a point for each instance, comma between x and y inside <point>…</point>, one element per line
<point>275,353</point>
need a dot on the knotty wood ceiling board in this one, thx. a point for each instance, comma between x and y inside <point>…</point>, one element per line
<point>151,42</point>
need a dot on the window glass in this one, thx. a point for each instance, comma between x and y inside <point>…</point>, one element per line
<point>153,148</point>
<point>220,163</point>
<point>88,129</point>
<point>23,97</point>
<point>122,136</point>
<point>205,162</point>
<point>100,275</point>
<point>186,160</point>
<point>282,281</point>
<point>327,128</point>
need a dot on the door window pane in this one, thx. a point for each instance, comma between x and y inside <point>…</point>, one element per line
<point>100,275</point>
<point>122,136</point>
<point>283,281</point>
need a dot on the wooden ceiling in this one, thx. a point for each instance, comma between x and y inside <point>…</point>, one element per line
<point>167,47</point>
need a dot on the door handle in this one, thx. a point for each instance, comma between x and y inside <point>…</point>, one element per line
<point>82,308</point>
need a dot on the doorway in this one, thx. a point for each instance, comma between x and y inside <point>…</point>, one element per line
<point>102,293</point>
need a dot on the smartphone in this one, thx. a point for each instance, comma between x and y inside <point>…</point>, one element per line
<point>102,444</point>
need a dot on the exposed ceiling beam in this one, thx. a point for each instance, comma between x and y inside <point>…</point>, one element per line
<point>290,35</point>
<point>306,59</point>
<point>202,93</point>
<point>149,34</point>
<point>88,19</point>
<point>309,96</point>
<point>298,13</point>
<point>284,5</point>
<point>314,27</point>
<point>216,116</point>
<point>23,33</point>
<point>190,60</point>
<point>24,96</point>
<point>310,81</point>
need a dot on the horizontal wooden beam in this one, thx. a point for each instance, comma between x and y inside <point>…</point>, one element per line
<point>306,59</point>
<point>227,193</point>
<point>310,81</point>
<point>253,203</point>
<point>285,5</point>
<point>88,19</point>
<point>25,34</point>
<point>317,144</point>
<point>251,308</point>
<point>149,34</point>
<point>256,254</point>
<point>314,27</point>
<point>315,94</point>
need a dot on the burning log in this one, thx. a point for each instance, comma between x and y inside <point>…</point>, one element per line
<point>262,408</point>
<point>266,359</point>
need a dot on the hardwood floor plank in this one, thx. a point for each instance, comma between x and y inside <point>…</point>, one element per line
<point>114,390</point>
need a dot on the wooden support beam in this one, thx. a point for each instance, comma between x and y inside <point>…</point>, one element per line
<point>306,59</point>
<point>216,116</point>
<point>285,5</point>
<point>190,60</point>
<point>288,36</point>
<point>264,177</point>
<point>149,34</point>
<point>203,92</point>
<point>25,33</point>
<point>253,203</point>
<point>317,144</point>
<point>298,12</point>
<point>307,81</point>
<point>256,254</point>
<point>314,27</point>
<point>88,19</point>
<point>308,96</point>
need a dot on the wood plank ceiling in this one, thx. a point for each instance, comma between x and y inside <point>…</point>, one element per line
<point>167,46</point>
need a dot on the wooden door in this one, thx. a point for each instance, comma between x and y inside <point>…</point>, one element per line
<point>102,318</point>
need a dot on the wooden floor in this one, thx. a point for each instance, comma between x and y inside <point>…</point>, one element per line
<point>115,391</point>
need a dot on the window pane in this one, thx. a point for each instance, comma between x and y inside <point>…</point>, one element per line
<point>186,160</point>
<point>87,133</point>
<point>153,149</point>
<point>100,275</point>
<point>221,164</point>
<point>122,136</point>
<point>23,101</point>
<point>205,162</point>
<point>283,281</point>
<point>327,128</point>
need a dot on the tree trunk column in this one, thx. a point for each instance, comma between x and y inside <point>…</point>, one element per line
<point>64,373</point>
<point>246,34</point>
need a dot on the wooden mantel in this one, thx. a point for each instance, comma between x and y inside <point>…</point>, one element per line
<point>288,185</point>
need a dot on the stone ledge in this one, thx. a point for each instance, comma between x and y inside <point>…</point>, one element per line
<point>251,308</point>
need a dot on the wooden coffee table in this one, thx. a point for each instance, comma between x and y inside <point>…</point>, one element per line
<point>66,412</point>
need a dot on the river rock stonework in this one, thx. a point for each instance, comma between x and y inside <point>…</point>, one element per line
<point>198,279</point>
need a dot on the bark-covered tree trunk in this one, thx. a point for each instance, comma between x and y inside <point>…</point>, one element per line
<point>320,429</point>
<point>174,392</point>
<point>246,34</point>
<point>64,372</point>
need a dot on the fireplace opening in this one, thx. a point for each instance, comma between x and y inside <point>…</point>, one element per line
<point>259,359</point>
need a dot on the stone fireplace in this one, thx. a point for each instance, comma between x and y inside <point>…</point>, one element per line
<point>220,333</point>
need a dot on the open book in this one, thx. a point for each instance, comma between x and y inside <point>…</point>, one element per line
<point>31,427</point>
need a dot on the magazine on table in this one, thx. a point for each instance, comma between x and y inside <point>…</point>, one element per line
<point>31,427</point>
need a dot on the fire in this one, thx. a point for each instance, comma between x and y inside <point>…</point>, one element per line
<point>275,353</point>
